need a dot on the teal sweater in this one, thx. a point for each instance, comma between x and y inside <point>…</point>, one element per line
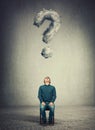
<point>47,93</point>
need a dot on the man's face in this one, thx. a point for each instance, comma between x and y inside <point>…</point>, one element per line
<point>47,81</point>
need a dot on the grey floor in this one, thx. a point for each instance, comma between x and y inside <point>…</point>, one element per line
<point>66,118</point>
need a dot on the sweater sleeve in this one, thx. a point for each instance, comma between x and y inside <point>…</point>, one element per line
<point>40,95</point>
<point>53,95</point>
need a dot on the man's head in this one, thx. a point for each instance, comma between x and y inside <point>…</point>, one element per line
<point>47,80</point>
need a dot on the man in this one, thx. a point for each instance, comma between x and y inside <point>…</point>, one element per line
<point>47,96</point>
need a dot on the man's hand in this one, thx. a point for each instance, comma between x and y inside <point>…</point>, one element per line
<point>51,103</point>
<point>43,103</point>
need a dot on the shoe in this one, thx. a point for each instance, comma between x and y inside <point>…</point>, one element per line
<point>50,122</point>
<point>44,121</point>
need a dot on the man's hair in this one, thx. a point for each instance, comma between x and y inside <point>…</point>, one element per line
<point>47,78</point>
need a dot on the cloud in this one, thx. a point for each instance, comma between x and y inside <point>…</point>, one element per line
<point>46,52</point>
<point>54,26</point>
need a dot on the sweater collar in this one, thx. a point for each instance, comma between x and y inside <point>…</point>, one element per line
<point>47,85</point>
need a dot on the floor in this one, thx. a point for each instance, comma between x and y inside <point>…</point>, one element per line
<point>66,118</point>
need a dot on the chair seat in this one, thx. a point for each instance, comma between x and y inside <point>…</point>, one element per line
<point>47,109</point>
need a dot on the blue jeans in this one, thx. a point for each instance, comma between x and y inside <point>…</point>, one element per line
<point>43,113</point>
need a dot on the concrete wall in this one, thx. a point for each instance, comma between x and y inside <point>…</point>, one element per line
<point>72,66</point>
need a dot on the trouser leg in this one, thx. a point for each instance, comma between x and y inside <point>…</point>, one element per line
<point>51,112</point>
<point>43,113</point>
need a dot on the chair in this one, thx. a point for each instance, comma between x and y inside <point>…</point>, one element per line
<point>41,122</point>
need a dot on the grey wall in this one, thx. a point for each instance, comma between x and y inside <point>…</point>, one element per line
<point>72,66</point>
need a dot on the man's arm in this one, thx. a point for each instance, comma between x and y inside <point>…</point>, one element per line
<point>53,95</point>
<point>40,95</point>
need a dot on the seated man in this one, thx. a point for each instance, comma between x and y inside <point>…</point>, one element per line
<point>47,96</point>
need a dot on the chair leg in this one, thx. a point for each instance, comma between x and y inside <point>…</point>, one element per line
<point>40,118</point>
<point>53,120</point>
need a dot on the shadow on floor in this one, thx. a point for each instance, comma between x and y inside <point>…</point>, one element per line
<point>21,117</point>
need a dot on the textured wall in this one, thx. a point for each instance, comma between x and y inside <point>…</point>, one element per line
<point>72,66</point>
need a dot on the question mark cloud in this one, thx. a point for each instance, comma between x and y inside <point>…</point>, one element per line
<point>54,26</point>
